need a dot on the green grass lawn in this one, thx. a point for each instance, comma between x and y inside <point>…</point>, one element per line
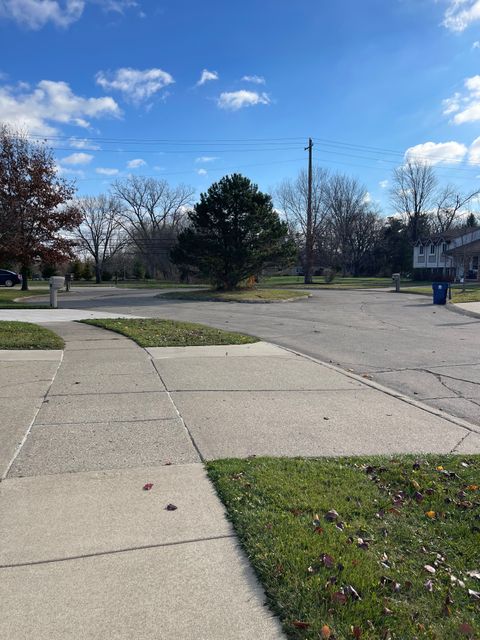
<point>370,548</point>
<point>7,297</point>
<point>170,333</point>
<point>242,295</point>
<point>338,283</point>
<point>137,284</point>
<point>24,335</point>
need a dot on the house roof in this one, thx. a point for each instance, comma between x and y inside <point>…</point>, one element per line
<point>467,249</point>
<point>436,238</point>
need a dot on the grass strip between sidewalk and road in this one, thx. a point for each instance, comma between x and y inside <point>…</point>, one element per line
<point>8,297</point>
<point>373,548</point>
<point>242,295</point>
<point>170,333</point>
<point>25,335</point>
<point>471,293</point>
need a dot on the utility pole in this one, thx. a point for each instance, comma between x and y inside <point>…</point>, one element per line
<point>309,236</point>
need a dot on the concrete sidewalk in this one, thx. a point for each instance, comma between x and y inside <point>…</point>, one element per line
<point>85,552</point>
<point>468,308</point>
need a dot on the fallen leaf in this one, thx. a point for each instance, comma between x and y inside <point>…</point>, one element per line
<point>327,561</point>
<point>357,633</point>
<point>472,487</point>
<point>474,574</point>
<point>171,507</point>
<point>325,632</point>
<point>300,624</point>
<point>339,597</point>
<point>331,515</point>
<point>428,586</point>
<point>349,590</point>
<point>474,594</point>
<point>148,486</point>
<point>429,568</point>
<point>466,630</point>
<point>430,514</point>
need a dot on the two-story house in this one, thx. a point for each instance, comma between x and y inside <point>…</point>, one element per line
<point>453,253</point>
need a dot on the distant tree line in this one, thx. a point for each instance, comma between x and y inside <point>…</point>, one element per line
<point>146,228</point>
<point>350,234</point>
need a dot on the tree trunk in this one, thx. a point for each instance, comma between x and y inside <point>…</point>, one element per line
<point>98,274</point>
<point>24,272</point>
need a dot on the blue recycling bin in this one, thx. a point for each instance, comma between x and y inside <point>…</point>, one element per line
<point>440,290</point>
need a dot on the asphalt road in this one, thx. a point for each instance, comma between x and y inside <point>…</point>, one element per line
<point>401,341</point>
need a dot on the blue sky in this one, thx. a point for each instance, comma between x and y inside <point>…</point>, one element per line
<point>190,91</point>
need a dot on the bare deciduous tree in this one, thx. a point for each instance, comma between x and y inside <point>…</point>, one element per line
<point>449,202</point>
<point>152,213</point>
<point>292,198</point>
<point>353,224</point>
<point>413,194</point>
<point>100,232</point>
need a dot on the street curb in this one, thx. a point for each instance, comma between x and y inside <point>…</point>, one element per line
<point>464,312</point>
<point>295,299</point>
<point>464,424</point>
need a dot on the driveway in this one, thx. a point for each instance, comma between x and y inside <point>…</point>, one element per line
<point>401,341</point>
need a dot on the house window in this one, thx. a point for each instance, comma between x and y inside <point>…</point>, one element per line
<point>432,249</point>
<point>444,247</point>
<point>421,249</point>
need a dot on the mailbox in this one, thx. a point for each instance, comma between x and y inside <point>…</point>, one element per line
<point>56,283</point>
<point>396,281</point>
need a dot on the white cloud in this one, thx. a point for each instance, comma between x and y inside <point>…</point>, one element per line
<point>202,172</point>
<point>83,143</point>
<point>206,159</point>
<point>476,44</point>
<point>254,79</point>
<point>235,100</point>
<point>437,153</point>
<point>106,171</point>
<point>460,14</point>
<point>135,164</point>
<point>35,14</point>
<point>383,184</point>
<point>136,85</point>
<point>466,107</point>
<point>65,171</point>
<point>77,158</point>
<point>51,102</point>
<point>207,76</point>
<point>474,152</point>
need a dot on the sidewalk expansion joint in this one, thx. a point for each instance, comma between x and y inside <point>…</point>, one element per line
<point>250,391</point>
<point>102,393</point>
<point>462,440</point>
<point>105,421</point>
<point>99,554</point>
<point>180,417</point>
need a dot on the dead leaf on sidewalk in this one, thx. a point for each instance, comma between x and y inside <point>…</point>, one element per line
<point>171,507</point>
<point>148,486</point>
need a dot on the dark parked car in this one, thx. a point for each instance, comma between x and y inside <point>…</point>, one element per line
<point>9,278</point>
